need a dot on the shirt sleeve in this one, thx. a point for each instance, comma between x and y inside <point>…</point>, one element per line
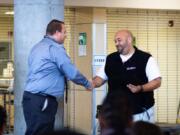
<point>69,69</point>
<point>101,73</point>
<point>152,69</point>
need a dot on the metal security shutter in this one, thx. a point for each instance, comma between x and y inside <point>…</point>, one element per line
<point>152,33</point>
<point>6,37</point>
<point>6,55</point>
<point>69,18</point>
<point>69,112</point>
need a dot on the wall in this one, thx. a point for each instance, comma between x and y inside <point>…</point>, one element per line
<point>152,33</point>
<point>6,38</point>
<point>145,4</point>
<point>78,111</point>
<point>150,27</point>
<point>6,26</point>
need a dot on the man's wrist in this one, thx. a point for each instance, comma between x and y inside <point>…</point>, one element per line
<point>88,85</point>
<point>141,88</point>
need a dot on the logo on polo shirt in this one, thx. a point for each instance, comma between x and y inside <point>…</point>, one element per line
<point>130,68</point>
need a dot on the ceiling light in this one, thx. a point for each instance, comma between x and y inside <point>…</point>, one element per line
<point>9,13</point>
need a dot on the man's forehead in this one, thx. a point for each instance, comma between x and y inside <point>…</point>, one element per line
<point>120,34</point>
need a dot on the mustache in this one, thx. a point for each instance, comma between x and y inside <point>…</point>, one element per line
<point>118,44</point>
<point>119,48</point>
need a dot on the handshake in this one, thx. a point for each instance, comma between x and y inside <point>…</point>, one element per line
<point>98,81</point>
<point>95,83</point>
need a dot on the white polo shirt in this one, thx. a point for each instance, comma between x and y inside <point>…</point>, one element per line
<point>152,69</point>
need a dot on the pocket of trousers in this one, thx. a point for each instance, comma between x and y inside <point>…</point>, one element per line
<point>45,105</point>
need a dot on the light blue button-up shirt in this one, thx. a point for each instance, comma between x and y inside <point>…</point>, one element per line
<point>48,65</point>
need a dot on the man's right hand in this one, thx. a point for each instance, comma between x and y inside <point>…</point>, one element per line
<point>91,85</point>
<point>97,81</point>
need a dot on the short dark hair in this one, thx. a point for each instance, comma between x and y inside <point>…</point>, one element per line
<point>116,111</point>
<point>146,128</point>
<point>53,26</point>
<point>63,132</point>
<point>3,117</point>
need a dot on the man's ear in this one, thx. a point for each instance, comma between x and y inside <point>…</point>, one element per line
<point>129,40</point>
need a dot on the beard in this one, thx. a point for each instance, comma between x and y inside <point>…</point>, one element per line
<point>119,49</point>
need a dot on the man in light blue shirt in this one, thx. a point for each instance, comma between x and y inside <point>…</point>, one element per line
<point>49,65</point>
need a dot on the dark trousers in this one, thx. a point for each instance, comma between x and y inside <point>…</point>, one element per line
<point>39,117</point>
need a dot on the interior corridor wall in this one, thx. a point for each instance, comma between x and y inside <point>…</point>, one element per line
<point>6,38</point>
<point>77,111</point>
<point>152,33</point>
<point>69,17</point>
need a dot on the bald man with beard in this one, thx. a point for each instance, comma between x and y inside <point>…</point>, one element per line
<point>135,72</point>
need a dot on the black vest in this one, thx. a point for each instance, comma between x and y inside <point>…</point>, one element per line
<point>130,72</point>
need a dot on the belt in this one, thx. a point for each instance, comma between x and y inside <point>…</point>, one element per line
<point>45,95</point>
<point>41,94</point>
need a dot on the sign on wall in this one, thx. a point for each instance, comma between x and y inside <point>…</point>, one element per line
<point>99,60</point>
<point>82,44</point>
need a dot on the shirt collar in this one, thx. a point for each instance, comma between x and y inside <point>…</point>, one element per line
<point>48,37</point>
<point>52,40</point>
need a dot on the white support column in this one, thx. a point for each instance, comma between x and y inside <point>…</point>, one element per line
<point>99,57</point>
<point>30,20</point>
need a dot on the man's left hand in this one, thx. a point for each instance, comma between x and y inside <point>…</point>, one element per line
<point>134,88</point>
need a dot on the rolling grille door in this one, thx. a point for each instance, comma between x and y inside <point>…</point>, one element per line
<point>6,55</point>
<point>6,37</point>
